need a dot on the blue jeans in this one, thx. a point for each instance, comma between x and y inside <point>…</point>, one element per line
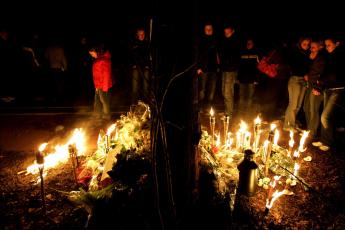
<point>228,82</point>
<point>208,79</point>
<point>330,99</point>
<point>140,84</point>
<point>102,104</point>
<point>311,107</point>
<point>296,88</point>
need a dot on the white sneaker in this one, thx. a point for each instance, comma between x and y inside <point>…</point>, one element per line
<point>324,148</point>
<point>317,144</point>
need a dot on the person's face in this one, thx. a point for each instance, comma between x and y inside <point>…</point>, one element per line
<point>141,35</point>
<point>93,53</point>
<point>208,30</point>
<point>228,32</point>
<point>314,47</point>
<point>330,45</point>
<point>83,41</point>
<point>305,44</point>
<point>250,44</point>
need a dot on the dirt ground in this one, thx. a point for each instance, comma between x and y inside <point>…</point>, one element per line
<point>321,206</point>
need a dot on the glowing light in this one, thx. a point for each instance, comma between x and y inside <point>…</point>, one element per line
<point>61,153</point>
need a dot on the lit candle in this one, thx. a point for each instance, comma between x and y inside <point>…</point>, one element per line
<point>108,136</point>
<point>296,168</point>
<point>247,137</point>
<point>226,127</point>
<point>276,137</point>
<point>212,124</point>
<point>269,147</point>
<point>302,141</point>
<point>228,142</point>
<point>291,143</point>
<point>257,132</point>
<point>242,131</point>
<point>238,140</point>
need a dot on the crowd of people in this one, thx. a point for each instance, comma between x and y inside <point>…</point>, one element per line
<point>310,72</point>
<point>310,75</point>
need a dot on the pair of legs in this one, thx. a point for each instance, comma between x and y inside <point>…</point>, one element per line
<point>140,84</point>
<point>330,100</point>
<point>228,82</point>
<point>207,87</point>
<point>297,89</point>
<point>246,97</point>
<point>311,107</point>
<point>102,104</point>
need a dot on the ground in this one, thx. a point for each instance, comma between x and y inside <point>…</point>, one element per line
<point>321,206</point>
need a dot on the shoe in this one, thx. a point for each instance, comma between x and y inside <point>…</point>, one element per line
<point>324,148</point>
<point>317,144</point>
<point>340,129</point>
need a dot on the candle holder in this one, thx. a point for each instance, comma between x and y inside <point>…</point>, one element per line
<point>257,134</point>
<point>40,162</point>
<point>226,127</point>
<point>74,160</point>
<point>212,125</point>
<point>269,148</point>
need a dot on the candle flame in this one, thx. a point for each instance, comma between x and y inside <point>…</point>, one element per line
<point>275,196</point>
<point>302,141</point>
<point>276,137</point>
<point>211,112</point>
<point>291,141</point>
<point>296,153</point>
<point>257,120</point>
<point>273,126</point>
<point>111,129</point>
<point>296,168</point>
<point>42,147</point>
<point>243,127</point>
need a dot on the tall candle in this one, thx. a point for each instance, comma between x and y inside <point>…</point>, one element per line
<point>226,127</point>
<point>212,124</point>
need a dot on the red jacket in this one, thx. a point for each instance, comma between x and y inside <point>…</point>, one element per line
<point>101,71</point>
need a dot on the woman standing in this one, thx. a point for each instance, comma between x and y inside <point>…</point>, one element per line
<point>299,63</point>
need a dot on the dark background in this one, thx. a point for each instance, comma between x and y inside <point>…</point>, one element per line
<point>262,18</point>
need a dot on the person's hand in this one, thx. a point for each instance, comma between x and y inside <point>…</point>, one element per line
<point>306,78</point>
<point>199,71</point>
<point>316,92</point>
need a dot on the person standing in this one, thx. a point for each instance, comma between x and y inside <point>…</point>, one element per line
<point>229,63</point>
<point>248,76</point>
<point>57,66</point>
<point>140,66</point>
<point>313,99</point>
<point>333,84</point>
<point>102,79</point>
<point>207,65</point>
<point>299,65</point>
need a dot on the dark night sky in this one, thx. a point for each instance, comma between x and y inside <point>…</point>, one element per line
<point>263,19</point>
<point>72,15</point>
